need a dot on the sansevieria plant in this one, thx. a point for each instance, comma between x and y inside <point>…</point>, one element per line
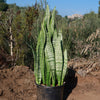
<point>50,58</point>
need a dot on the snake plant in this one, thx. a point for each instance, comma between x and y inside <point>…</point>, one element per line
<point>50,58</point>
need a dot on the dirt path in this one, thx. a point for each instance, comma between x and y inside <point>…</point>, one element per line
<point>18,84</point>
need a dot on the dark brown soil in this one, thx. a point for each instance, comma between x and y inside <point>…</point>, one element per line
<point>17,83</point>
<point>87,88</point>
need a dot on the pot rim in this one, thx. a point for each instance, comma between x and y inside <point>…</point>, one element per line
<point>42,85</point>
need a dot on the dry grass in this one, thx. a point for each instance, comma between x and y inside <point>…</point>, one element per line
<point>94,36</point>
<point>91,47</point>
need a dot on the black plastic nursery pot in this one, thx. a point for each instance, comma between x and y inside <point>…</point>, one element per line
<point>49,93</point>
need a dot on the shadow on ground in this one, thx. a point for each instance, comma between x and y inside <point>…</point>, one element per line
<point>71,82</point>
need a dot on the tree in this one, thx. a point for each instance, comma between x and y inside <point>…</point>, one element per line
<point>2,1</point>
<point>99,10</point>
<point>31,17</point>
<point>3,6</point>
<point>4,42</point>
<point>66,17</point>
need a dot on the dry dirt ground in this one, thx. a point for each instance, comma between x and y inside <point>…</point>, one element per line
<point>87,88</point>
<point>17,83</point>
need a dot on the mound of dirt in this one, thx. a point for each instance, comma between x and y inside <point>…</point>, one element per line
<point>17,83</point>
<point>87,88</point>
<point>84,66</point>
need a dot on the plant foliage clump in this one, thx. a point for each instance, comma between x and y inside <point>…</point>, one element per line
<point>50,57</point>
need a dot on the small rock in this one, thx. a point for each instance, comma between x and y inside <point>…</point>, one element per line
<point>82,72</point>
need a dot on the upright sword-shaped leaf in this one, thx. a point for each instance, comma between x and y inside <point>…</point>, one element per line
<point>59,57</point>
<point>64,72</point>
<point>49,53</point>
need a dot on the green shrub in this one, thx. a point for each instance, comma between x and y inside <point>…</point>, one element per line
<point>3,6</point>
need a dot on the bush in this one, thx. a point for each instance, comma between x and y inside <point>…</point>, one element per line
<point>3,6</point>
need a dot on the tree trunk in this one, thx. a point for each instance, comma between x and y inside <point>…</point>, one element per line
<point>11,44</point>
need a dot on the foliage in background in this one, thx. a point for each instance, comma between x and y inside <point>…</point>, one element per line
<point>21,26</point>
<point>3,5</point>
<point>76,32</point>
<point>26,26</point>
<point>3,36</point>
<point>99,10</point>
